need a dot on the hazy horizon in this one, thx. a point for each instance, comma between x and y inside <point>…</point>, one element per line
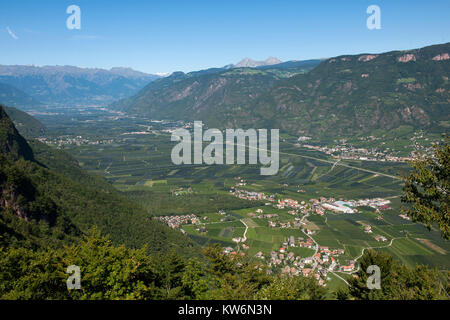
<point>155,37</point>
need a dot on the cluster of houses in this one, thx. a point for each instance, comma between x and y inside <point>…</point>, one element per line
<point>283,260</point>
<point>327,251</point>
<point>349,267</point>
<point>347,206</point>
<point>175,222</point>
<point>316,266</point>
<point>280,224</point>
<point>317,206</point>
<point>344,150</point>
<point>76,140</point>
<point>288,263</point>
<point>261,215</point>
<point>251,195</point>
<point>308,243</point>
<point>348,152</point>
<point>288,203</point>
<point>325,259</point>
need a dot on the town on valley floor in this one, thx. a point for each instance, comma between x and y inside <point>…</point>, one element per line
<point>315,260</point>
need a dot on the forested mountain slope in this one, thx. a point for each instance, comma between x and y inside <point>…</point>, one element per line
<point>213,95</point>
<point>47,199</point>
<point>27,125</point>
<point>355,94</point>
<point>342,96</point>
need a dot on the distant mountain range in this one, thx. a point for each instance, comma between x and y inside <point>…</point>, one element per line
<point>213,94</point>
<point>340,96</point>
<point>68,85</point>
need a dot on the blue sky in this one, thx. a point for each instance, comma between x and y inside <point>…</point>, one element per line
<point>166,36</point>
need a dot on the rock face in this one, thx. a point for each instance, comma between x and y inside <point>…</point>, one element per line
<point>440,57</point>
<point>367,57</point>
<point>406,58</point>
<point>249,63</point>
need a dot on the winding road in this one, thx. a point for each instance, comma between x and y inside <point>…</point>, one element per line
<point>244,238</point>
<point>356,259</point>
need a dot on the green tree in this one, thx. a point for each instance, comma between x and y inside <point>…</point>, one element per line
<point>427,188</point>
<point>234,276</point>
<point>194,280</point>
<point>107,272</point>
<point>168,274</point>
<point>292,288</point>
<point>26,274</point>
<point>398,281</point>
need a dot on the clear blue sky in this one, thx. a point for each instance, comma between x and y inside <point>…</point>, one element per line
<point>165,36</point>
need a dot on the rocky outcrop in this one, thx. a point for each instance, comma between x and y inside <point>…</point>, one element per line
<point>367,57</point>
<point>407,58</point>
<point>440,57</point>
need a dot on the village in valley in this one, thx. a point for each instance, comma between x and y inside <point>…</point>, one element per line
<point>371,148</point>
<point>328,203</point>
<point>295,255</point>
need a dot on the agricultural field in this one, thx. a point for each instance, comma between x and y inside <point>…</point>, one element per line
<point>139,165</point>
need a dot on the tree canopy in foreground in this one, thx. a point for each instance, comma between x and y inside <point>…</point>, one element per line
<point>427,187</point>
